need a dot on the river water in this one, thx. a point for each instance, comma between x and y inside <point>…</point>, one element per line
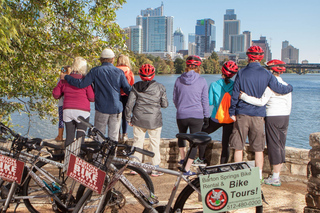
<point>304,118</point>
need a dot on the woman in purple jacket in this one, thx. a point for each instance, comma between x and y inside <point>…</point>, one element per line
<point>190,96</point>
<point>76,101</point>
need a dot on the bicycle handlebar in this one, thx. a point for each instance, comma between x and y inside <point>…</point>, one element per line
<point>90,126</point>
<point>54,146</point>
<point>132,148</point>
<point>34,143</point>
<point>136,149</point>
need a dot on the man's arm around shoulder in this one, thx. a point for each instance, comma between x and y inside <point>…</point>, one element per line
<point>278,87</point>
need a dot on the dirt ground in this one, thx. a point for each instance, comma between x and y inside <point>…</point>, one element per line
<point>289,197</point>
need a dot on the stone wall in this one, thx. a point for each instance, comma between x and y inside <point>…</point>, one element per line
<point>313,175</point>
<point>295,168</point>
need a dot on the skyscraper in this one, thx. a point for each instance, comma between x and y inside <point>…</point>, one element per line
<point>263,43</point>
<point>237,43</point>
<point>248,39</point>
<point>134,41</point>
<point>153,12</point>
<point>289,54</point>
<point>157,30</point>
<point>231,26</point>
<point>285,44</point>
<point>191,38</point>
<point>178,40</point>
<point>205,36</point>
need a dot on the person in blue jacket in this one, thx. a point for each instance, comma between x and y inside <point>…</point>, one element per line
<point>217,90</point>
<point>107,81</point>
<point>249,119</point>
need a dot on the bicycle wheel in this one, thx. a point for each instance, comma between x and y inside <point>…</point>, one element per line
<point>119,199</point>
<point>189,199</point>
<point>41,201</point>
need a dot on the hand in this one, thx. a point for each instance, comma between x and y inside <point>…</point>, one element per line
<point>240,94</point>
<point>62,76</point>
<point>205,123</point>
<point>130,124</point>
<point>233,117</point>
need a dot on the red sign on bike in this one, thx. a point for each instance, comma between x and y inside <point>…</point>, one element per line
<point>11,169</point>
<point>86,174</point>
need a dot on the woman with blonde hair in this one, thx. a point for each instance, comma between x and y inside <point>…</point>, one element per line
<point>123,63</point>
<point>76,101</point>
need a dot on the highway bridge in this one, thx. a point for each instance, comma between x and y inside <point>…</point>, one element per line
<point>301,68</point>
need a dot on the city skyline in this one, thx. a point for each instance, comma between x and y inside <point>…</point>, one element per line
<point>294,21</point>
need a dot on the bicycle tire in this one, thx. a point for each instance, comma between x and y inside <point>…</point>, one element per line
<point>117,198</point>
<point>188,198</point>
<point>31,188</point>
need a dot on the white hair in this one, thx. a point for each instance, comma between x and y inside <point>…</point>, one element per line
<point>80,65</point>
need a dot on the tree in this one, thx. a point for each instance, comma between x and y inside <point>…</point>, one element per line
<point>140,59</point>
<point>211,66</point>
<point>179,65</point>
<point>214,56</point>
<point>38,37</point>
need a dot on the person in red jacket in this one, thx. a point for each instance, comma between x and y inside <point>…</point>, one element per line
<point>76,101</point>
<point>123,63</point>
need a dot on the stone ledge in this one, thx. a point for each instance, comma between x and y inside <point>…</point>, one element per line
<point>295,168</point>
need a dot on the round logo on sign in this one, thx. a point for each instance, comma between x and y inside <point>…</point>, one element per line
<point>216,199</point>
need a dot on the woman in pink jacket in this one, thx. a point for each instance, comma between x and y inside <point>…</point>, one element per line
<point>76,101</point>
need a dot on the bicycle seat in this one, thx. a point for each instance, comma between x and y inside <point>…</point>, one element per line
<point>198,138</point>
<point>92,147</point>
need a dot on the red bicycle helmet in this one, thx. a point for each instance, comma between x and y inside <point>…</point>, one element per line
<point>193,61</point>
<point>229,68</point>
<point>276,65</point>
<point>146,72</point>
<point>255,53</point>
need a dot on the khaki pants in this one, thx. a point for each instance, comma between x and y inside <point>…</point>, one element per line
<point>154,136</point>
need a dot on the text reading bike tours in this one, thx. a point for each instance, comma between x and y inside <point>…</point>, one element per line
<point>230,190</point>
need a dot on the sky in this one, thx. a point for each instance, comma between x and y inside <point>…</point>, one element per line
<point>296,21</point>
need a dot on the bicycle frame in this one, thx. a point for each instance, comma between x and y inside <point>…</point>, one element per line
<point>136,192</point>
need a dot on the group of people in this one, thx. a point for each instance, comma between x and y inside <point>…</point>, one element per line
<point>251,105</point>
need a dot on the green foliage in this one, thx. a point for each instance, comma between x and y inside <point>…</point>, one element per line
<point>211,66</point>
<point>214,56</point>
<point>179,65</point>
<point>38,37</point>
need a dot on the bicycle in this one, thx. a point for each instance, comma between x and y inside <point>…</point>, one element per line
<point>147,199</point>
<point>38,184</point>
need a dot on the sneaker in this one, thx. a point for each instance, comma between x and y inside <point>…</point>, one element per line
<point>199,162</point>
<point>133,172</point>
<point>181,162</point>
<point>272,181</point>
<point>156,173</point>
<point>125,137</point>
<point>189,173</point>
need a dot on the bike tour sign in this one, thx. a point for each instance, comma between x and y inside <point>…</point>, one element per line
<point>11,169</point>
<point>227,191</point>
<point>86,174</point>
